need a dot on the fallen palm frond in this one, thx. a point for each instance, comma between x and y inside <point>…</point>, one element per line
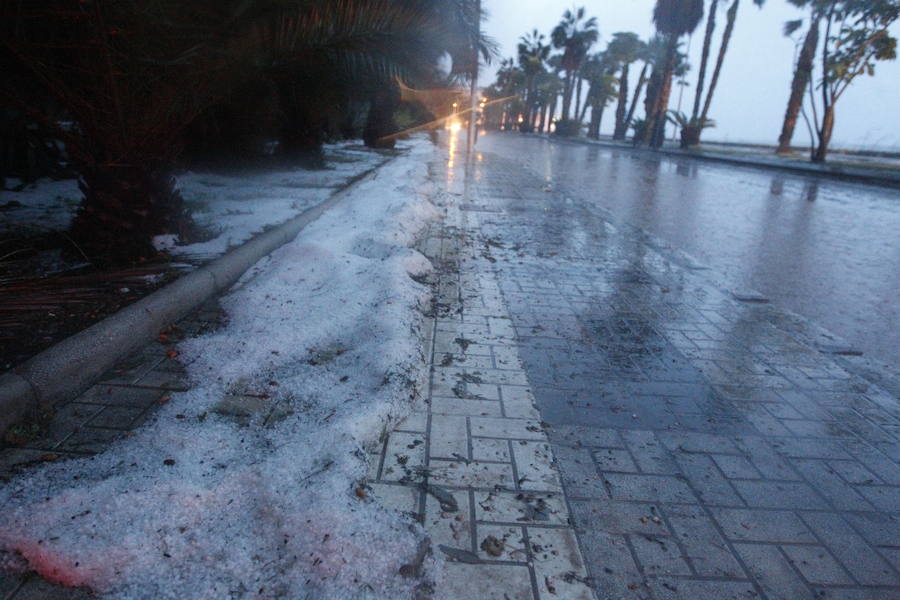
<point>23,300</point>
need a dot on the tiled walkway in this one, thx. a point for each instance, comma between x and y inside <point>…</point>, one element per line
<point>474,465</point>
<point>705,451</point>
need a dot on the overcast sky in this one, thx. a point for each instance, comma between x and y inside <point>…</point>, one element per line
<point>753,90</point>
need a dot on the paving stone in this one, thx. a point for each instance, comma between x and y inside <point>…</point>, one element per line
<point>704,547</point>
<point>836,491</point>
<point>558,564</point>
<point>449,436</point>
<point>649,453</point>
<point>490,582</point>
<point>614,460</point>
<point>466,407</point>
<point>164,380</point>
<point>851,550</point>
<point>862,594</point>
<point>779,494</point>
<point>705,477</point>
<point>66,420</point>
<point>692,589</point>
<point>535,466</point>
<point>649,488</point>
<point>521,507</point>
<point>736,467</point>
<point>659,555</point>
<point>579,473</point>
<point>472,474</point>
<point>573,435</point>
<point>883,467</point>
<point>774,526</point>
<point>774,573</point>
<point>885,498</point>
<point>768,462</point>
<point>416,422</point>
<point>89,440</point>
<point>511,545</point>
<point>609,558</point>
<point>618,517</point>
<point>507,428</point>
<point>698,442</point>
<point>877,528</point>
<point>126,396</point>
<point>816,565</point>
<point>450,528</point>
<point>398,497</point>
<point>490,450</point>
<point>404,456</point>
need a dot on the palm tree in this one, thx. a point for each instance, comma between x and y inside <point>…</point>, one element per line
<point>673,19</point>
<point>548,88</point>
<point>132,75</point>
<point>699,119</point>
<point>802,72</point>
<point>650,53</point>
<point>624,49</point>
<point>555,63</point>
<point>600,71</point>
<point>533,53</point>
<point>574,35</point>
<point>510,84</point>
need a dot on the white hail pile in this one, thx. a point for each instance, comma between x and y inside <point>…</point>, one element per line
<point>323,345</point>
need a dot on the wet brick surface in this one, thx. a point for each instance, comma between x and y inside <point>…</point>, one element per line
<point>705,452</point>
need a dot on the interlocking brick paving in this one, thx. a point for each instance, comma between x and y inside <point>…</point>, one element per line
<point>706,450</point>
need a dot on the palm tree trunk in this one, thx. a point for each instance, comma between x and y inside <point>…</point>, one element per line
<point>380,122</point>
<point>704,60</point>
<point>552,114</point>
<point>567,96</point>
<point>584,108</point>
<point>659,132</point>
<point>578,92</point>
<point>528,124</point>
<point>824,134</point>
<point>802,75</point>
<point>654,133</point>
<point>542,117</point>
<point>596,120</point>
<point>723,49</point>
<point>642,80</point>
<point>621,126</point>
<point>124,207</point>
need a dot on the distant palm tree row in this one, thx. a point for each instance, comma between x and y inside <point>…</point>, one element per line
<point>844,39</point>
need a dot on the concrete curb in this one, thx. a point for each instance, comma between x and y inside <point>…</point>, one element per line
<point>74,364</point>
<point>857,175</point>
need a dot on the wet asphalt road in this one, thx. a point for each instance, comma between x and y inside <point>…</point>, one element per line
<point>827,250</point>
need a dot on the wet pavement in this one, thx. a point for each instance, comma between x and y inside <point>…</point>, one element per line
<point>827,250</point>
<point>707,449</point>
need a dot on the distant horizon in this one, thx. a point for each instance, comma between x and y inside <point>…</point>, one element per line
<point>760,59</point>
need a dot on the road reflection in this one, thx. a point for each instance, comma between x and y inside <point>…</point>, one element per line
<point>824,249</point>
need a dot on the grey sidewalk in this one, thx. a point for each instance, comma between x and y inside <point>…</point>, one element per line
<point>705,452</point>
